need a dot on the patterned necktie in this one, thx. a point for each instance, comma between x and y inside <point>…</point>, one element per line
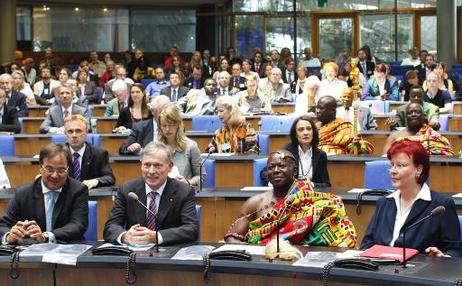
<point>151,218</point>
<point>51,201</point>
<point>174,95</point>
<point>76,166</point>
<point>66,113</point>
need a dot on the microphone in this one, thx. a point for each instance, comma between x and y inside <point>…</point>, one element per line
<point>201,166</point>
<point>436,211</point>
<point>135,197</point>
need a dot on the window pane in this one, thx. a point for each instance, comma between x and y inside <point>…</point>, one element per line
<point>64,29</point>
<point>249,34</point>
<point>264,5</point>
<point>280,33</point>
<point>336,35</point>
<point>303,34</point>
<point>157,31</point>
<point>428,33</point>
<point>23,24</point>
<point>377,31</point>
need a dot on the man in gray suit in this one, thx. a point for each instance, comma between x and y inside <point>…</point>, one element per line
<point>175,91</point>
<point>171,203</point>
<point>365,119</point>
<point>54,122</point>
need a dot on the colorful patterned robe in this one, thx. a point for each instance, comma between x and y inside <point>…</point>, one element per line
<point>243,139</point>
<point>433,141</point>
<point>337,138</point>
<point>305,217</point>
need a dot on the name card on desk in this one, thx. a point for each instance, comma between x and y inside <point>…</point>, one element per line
<point>459,195</point>
<point>257,189</point>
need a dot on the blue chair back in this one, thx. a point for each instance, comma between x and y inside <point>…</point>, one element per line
<point>146,81</point>
<point>263,143</point>
<point>376,175</point>
<point>209,166</point>
<point>258,165</point>
<point>208,123</point>
<point>61,138</point>
<point>460,226</point>
<point>400,70</point>
<point>444,121</point>
<point>95,139</point>
<point>198,215</point>
<point>99,94</point>
<point>273,123</point>
<point>7,145</point>
<point>92,231</point>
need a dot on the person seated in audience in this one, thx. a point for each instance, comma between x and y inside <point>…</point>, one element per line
<point>428,61</point>
<point>84,65</point>
<point>200,102</point>
<point>276,90</point>
<point>14,98</point>
<point>275,59</point>
<point>224,87</point>
<point>87,89</point>
<point>237,82</point>
<point>311,161</point>
<point>413,59</point>
<point>366,66</point>
<point>145,131</point>
<point>95,64</point>
<point>331,85</point>
<point>30,73</point>
<point>20,85</point>
<point>108,74</point>
<point>444,83</point>
<point>54,120</point>
<point>335,134</point>
<point>107,57</point>
<point>236,135</point>
<point>309,61</point>
<point>176,66</point>
<point>231,55</point>
<point>251,100</point>
<point>208,67</point>
<point>410,79</point>
<point>175,91</point>
<point>437,96</point>
<point>247,69</point>
<point>172,201</point>
<point>382,86</point>
<point>299,86</point>
<point>289,74</point>
<point>292,208</point>
<point>8,116</point>
<point>43,89</point>
<point>52,209</point>
<point>186,153</point>
<point>127,59</point>
<point>196,59</point>
<point>173,51</point>
<point>195,81</point>
<point>258,64</point>
<point>154,88</point>
<point>264,82</point>
<point>224,66</point>
<point>306,102</point>
<point>418,129</point>
<point>139,67</point>
<point>136,111</point>
<point>431,111</point>
<point>411,202</point>
<point>90,164</point>
<point>120,74</point>
<point>365,119</point>
<point>115,105</point>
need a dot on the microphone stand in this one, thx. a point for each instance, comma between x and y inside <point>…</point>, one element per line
<point>201,166</point>
<point>157,234</point>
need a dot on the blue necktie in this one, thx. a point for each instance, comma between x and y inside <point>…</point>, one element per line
<point>51,201</point>
<point>174,96</point>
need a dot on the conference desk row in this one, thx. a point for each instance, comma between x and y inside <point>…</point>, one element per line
<point>159,269</point>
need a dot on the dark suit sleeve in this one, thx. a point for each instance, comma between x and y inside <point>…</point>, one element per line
<point>322,165</point>
<point>124,118</point>
<point>450,231</point>
<point>11,215</point>
<point>115,225</point>
<point>187,231</point>
<point>23,109</point>
<point>105,171</point>
<point>368,239</point>
<point>77,224</point>
<point>11,123</point>
<point>132,138</point>
<point>47,123</point>
<point>91,96</point>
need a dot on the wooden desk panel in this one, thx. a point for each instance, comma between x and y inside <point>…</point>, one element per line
<point>278,142</point>
<point>395,105</point>
<point>31,125</point>
<point>289,108</point>
<point>381,122</point>
<point>105,124</point>
<point>37,274</point>
<point>98,110</point>
<point>30,146</point>
<point>112,144</point>
<point>21,173</point>
<point>346,174</point>
<point>455,123</point>
<point>187,122</point>
<point>125,170</point>
<point>457,107</point>
<point>377,140</point>
<point>235,174</point>
<point>38,110</point>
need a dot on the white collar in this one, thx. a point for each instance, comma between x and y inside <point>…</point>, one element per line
<point>68,109</point>
<point>81,151</point>
<point>46,190</point>
<point>308,152</point>
<point>159,190</point>
<point>424,194</point>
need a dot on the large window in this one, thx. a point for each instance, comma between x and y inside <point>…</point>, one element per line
<point>428,33</point>
<point>23,24</point>
<point>249,34</point>
<point>335,36</point>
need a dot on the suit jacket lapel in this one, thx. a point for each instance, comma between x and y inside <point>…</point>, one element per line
<point>166,201</point>
<point>39,204</point>
<point>140,211</point>
<point>86,161</point>
<point>389,220</point>
<point>416,211</point>
<point>314,161</point>
<point>60,202</point>
<point>149,132</point>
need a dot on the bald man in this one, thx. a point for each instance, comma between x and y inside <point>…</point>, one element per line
<point>13,98</point>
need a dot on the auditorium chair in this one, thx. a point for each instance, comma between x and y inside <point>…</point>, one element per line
<point>376,175</point>
<point>92,231</point>
<point>94,139</point>
<point>146,81</point>
<point>273,123</point>
<point>258,165</point>
<point>263,143</point>
<point>208,123</point>
<point>7,145</point>
<point>444,122</point>
<point>198,214</point>
<point>209,166</point>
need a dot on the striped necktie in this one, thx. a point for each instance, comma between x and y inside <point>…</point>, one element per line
<point>151,217</point>
<point>76,166</point>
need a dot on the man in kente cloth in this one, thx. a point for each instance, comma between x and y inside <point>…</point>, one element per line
<point>335,134</point>
<point>300,214</point>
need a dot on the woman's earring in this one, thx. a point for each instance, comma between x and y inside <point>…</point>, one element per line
<point>417,175</point>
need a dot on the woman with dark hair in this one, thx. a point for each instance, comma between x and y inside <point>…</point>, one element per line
<point>413,200</point>
<point>136,110</point>
<point>382,86</point>
<point>86,87</point>
<point>311,162</point>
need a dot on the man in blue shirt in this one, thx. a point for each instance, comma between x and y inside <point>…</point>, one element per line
<point>153,89</point>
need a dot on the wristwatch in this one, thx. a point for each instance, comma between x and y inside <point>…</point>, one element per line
<point>46,236</point>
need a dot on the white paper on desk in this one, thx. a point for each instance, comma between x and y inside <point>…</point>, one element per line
<point>459,195</point>
<point>357,191</point>
<point>65,254</point>
<point>257,188</point>
<point>316,259</point>
<point>252,249</point>
<point>141,247</point>
<point>193,252</point>
<point>218,154</point>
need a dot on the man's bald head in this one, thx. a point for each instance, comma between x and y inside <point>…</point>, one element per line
<point>326,109</point>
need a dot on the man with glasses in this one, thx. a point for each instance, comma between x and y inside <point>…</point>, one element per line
<point>120,74</point>
<point>90,164</point>
<point>53,208</point>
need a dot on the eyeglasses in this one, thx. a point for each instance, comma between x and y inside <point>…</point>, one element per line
<point>398,166</point>
<point>51,170</point>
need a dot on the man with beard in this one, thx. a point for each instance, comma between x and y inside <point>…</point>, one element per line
<point>200,102</point>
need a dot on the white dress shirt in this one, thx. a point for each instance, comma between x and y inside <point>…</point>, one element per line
<point>305,163</point>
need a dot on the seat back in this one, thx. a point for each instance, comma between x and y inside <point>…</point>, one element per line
<point>460,226</point>
<point>258,166</point>
<point>61,139</point>
<point>198,215</point>
<point>6,145</point>
<point>92,231</point>
<point>263,143</point>
<point>209,166</point>
<point>376,175</point>
<point>208,123</point>
<point>444,121</point>
<point>273,123</point>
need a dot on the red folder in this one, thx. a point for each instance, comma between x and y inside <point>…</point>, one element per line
<point>389,252</point>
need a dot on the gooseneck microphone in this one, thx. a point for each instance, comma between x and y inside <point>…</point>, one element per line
<point>201,166</point>
<point>135,197</point>
<point>436,211</point>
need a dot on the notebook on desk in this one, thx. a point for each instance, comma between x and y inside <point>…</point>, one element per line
<point>389,252</point>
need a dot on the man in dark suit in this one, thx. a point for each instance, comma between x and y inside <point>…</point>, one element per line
<point>257,64</point>
<point>145,131</point>
<point>171,203</point>
<point>175,91</point>
<point>289,75</point>
<point>237,82</point>
<point>14,98</point>
<point>54,208</point>
<point>90,164</point>
<point>365,67</point>
<point>8,116</point>
<point>195,81</point>
<point>426,68</point>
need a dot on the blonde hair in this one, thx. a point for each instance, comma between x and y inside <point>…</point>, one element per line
<point>22,79</point>
<point>172,115</point>
<point>76,117</point>
<point>230,103</point>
